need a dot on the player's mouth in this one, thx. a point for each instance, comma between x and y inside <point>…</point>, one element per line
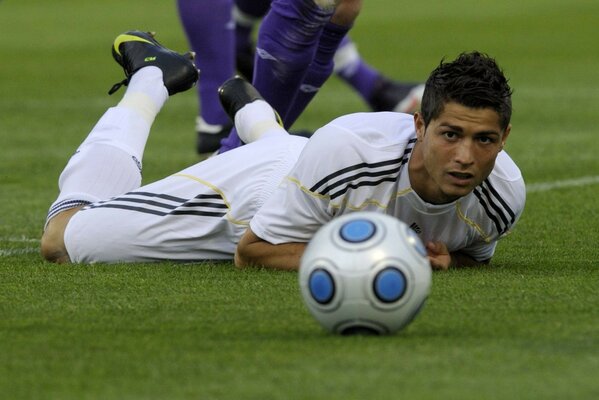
<point>461,178</point>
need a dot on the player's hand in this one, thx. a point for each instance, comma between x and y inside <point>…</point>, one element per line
<point>438,255</point>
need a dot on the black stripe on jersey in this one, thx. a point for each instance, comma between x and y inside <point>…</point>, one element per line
<point>506,207</point>
<point>192,203</point>
<point>194,206</point>
<point>351,168</point>
<point>362,174</point>
<point>483,203</point>
<point>363,183</point>
<point>141,201</point>
<point>198,213</point>
<point>159,195</point>
<point>162,213</point>
<point>489,199</point>
<point>324,186</point>
<point>65,205</point>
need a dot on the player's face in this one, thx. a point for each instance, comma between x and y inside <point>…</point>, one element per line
<point>458,151</point>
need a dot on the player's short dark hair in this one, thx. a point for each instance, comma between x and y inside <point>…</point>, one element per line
<point>474,80</point>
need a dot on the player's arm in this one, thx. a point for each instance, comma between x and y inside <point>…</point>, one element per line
<point>442,259</point>
<point>255,251</point>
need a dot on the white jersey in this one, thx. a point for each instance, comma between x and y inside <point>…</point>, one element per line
<point>359,162</point>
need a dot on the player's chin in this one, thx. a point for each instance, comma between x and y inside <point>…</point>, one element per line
<point>454,192</point>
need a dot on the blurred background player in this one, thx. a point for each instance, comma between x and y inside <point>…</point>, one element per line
<point>211,34</point>
<point>378,91</point>
<point>213,26</point>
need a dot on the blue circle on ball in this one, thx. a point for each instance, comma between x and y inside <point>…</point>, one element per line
<point>321,285</point>
<point>389,285</point>
<point>357,231</point>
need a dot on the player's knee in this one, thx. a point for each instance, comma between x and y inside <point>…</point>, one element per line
<point>53,247</point>
<point>346,12</point>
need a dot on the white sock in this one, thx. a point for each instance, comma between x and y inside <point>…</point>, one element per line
<point>346,60</point>
<point>109,161</point>
<point>146,93</point>
<point>257,120</point>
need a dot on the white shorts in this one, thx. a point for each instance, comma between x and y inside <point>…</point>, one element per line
<point>197,214</point>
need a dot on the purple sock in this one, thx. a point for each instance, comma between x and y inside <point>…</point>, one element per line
<point>320,70</point>
<point>359,75</point>
<point>287,42</point>
<point>230,142</point>
<point>207,24</point>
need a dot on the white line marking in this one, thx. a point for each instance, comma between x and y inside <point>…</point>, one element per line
<point>16,252</point>
<point>21,239</point>
<point>546,186</point>
<point>4,252</point>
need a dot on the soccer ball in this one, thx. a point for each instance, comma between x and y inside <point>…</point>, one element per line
<point>365,272</point>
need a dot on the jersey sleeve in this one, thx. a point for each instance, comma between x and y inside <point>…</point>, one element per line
<point>480,251</point>
<point>502,198</point>
<point>296,210</point>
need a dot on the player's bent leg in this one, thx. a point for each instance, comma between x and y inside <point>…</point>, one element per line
<point>53,248</point>
<point>196,214</point>
<point>108,162</point>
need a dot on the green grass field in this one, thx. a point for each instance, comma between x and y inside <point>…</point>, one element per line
<point>526,327</point>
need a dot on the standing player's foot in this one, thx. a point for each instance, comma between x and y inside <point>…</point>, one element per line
<point>209,135</point>
<point>395,96</point>
<point>134,50</point>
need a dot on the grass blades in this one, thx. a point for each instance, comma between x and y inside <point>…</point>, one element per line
<point>524,328</point>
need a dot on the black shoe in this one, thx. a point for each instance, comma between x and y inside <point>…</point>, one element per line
<point>395,96</point>
<point>209,136</point>
<point>236,93</point>
<point>134,50</point>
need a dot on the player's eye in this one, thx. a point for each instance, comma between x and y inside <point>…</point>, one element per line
<point>487,140</point>
<point>450,135</point>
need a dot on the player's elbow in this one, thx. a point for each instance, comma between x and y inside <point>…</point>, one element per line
<point>241,258</point>
<point>250,250</point>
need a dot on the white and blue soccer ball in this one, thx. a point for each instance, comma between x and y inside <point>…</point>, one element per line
<point>365,272</point>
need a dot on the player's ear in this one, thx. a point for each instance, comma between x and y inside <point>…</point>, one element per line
<point>506,133</point>
<point>419,124</point>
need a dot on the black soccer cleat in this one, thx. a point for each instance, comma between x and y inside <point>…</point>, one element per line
<point>389,95</point>
<point>134,50</point>
<point>236,93</point>
<point>209,136</point>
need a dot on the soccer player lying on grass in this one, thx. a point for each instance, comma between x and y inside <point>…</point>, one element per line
<point>442,171</point>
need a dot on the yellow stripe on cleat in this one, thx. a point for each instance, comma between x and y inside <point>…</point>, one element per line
<point>127,38</point>
<point>279,119</point>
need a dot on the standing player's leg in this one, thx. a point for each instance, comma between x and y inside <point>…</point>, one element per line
<point>246,15</point>
<point>322,65</point>
<point>287,42</point>
<point>378,91</point>
<point>109,160</point>
<point>211,34</point>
